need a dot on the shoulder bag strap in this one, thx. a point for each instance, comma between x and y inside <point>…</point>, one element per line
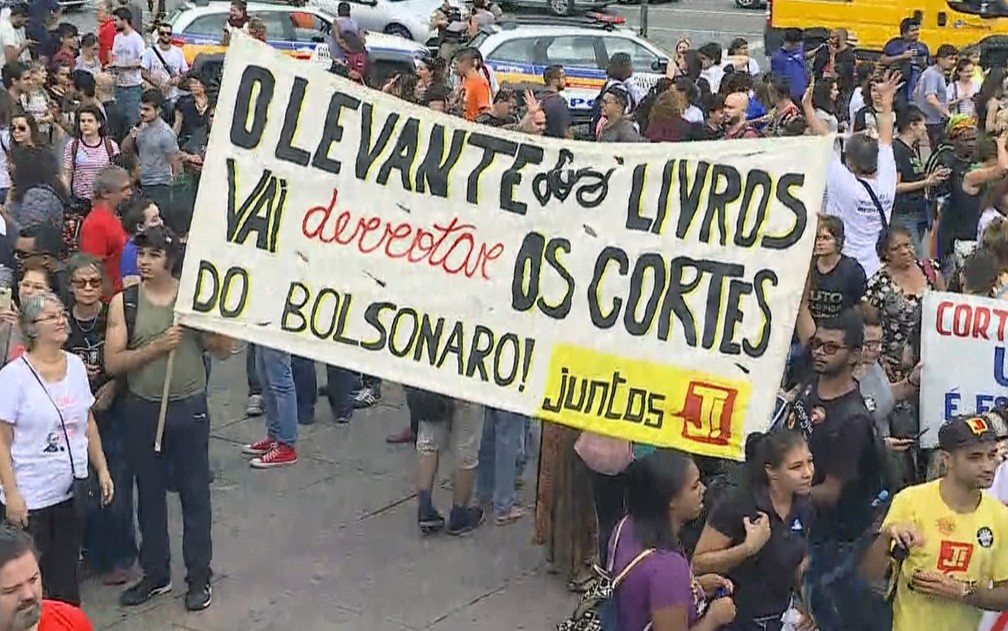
<point>74,148</point>
<point>630,566</point>
<point>615,539</point>
<point>878,204</point>
<point>66,437</point>
<point>168,69</point>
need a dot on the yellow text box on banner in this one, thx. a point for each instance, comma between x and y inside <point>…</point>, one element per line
<point>645,402</point>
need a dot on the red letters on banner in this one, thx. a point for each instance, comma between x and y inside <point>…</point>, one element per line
<point>453,247</point>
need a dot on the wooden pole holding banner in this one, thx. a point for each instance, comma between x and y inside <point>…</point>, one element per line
<point>164,396</point>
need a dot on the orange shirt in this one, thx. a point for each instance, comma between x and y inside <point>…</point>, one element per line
<point>59,616</point>
<point>477,96</point>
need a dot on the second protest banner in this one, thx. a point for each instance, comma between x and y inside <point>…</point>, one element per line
<point>641,291</point>
<point>963,350</point>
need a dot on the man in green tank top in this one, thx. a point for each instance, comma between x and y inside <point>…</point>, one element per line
<point>139,339</point>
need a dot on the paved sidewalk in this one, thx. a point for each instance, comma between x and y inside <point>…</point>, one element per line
<point>331,542</point>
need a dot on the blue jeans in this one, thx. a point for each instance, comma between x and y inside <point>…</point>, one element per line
<point>251,372</point>
<point>128,100</point>
<point>111,536</point>
<point>306,388</point>
<point>835,592</point>
<point>184,454</point>
<point>503,434</point>
<point>279,396</point>
<point>528,444</point>
<point>340,385</point>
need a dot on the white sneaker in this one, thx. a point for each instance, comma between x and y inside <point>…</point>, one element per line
<point>254,407</point>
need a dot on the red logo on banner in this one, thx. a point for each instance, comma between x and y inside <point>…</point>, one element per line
<point>707,413</point>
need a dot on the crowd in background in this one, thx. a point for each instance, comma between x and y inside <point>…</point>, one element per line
<point>102,136</point>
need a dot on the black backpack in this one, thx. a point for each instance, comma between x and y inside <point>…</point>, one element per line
<point>131,297</point>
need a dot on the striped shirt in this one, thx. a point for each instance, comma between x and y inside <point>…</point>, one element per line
<point>86,164</point>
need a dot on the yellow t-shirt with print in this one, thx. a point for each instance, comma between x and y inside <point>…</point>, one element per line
<point>970,547</point>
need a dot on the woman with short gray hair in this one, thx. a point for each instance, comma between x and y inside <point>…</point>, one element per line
<point>48,437</point>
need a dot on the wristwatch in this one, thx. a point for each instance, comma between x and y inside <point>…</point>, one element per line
<point>968,587</point>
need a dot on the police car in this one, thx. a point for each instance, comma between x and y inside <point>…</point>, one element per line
<point>518,51</point>
<point>299,31</point>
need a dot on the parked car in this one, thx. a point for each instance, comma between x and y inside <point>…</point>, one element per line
<point>405,18</point>
<point>561,8</point>
<point>299,31</point>
<point>518,51</point>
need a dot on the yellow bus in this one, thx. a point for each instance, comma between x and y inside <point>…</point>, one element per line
<point>872,23</point>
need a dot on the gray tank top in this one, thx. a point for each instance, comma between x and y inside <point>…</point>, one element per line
<point>188,371</point>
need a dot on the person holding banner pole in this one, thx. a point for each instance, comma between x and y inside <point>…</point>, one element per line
<point>140,339</point>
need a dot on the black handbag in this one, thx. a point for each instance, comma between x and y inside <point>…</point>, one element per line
<point>85,488</point>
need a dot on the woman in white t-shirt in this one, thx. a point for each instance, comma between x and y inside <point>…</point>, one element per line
<point>47,437</point>
<point>962,89</point>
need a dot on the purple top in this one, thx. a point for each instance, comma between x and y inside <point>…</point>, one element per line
<point>660,581</point>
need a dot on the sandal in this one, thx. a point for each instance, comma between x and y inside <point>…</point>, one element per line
<point>517,512</point>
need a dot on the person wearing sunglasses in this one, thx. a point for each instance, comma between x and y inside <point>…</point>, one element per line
<point>829,410</point>
<point>109,535</point>
<point>23,132</point>
<point>164,66</point>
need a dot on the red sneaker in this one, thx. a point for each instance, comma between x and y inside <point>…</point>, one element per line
<point>260,447</point>
<point>281,455</point>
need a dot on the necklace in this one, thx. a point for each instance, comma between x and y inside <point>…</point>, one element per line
<point>80,323</point>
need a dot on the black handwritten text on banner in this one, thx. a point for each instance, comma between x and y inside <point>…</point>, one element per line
<point>644,291</point>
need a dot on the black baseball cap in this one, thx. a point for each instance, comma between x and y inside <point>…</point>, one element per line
<point>966,431</point>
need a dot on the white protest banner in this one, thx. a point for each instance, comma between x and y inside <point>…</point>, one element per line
<point>963,349</point>
<point>647,291</point>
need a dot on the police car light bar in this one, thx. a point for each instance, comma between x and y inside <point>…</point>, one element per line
<point>606,18</point>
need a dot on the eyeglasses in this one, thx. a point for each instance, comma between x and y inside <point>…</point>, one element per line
<point>165,33</point>
<point>829,348</point>
<point>81,283</point>
<point>53,317</point>
<point>873,344</point>
<point>20,127</point>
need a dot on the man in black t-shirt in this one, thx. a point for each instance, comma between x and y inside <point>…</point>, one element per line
<point>836,59</point>
<point>830,412</point>
<point>554,105</point>
<point>910,207</point>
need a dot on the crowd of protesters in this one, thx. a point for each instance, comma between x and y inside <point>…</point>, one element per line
<point>802,535</point>
<point>102,138</point>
